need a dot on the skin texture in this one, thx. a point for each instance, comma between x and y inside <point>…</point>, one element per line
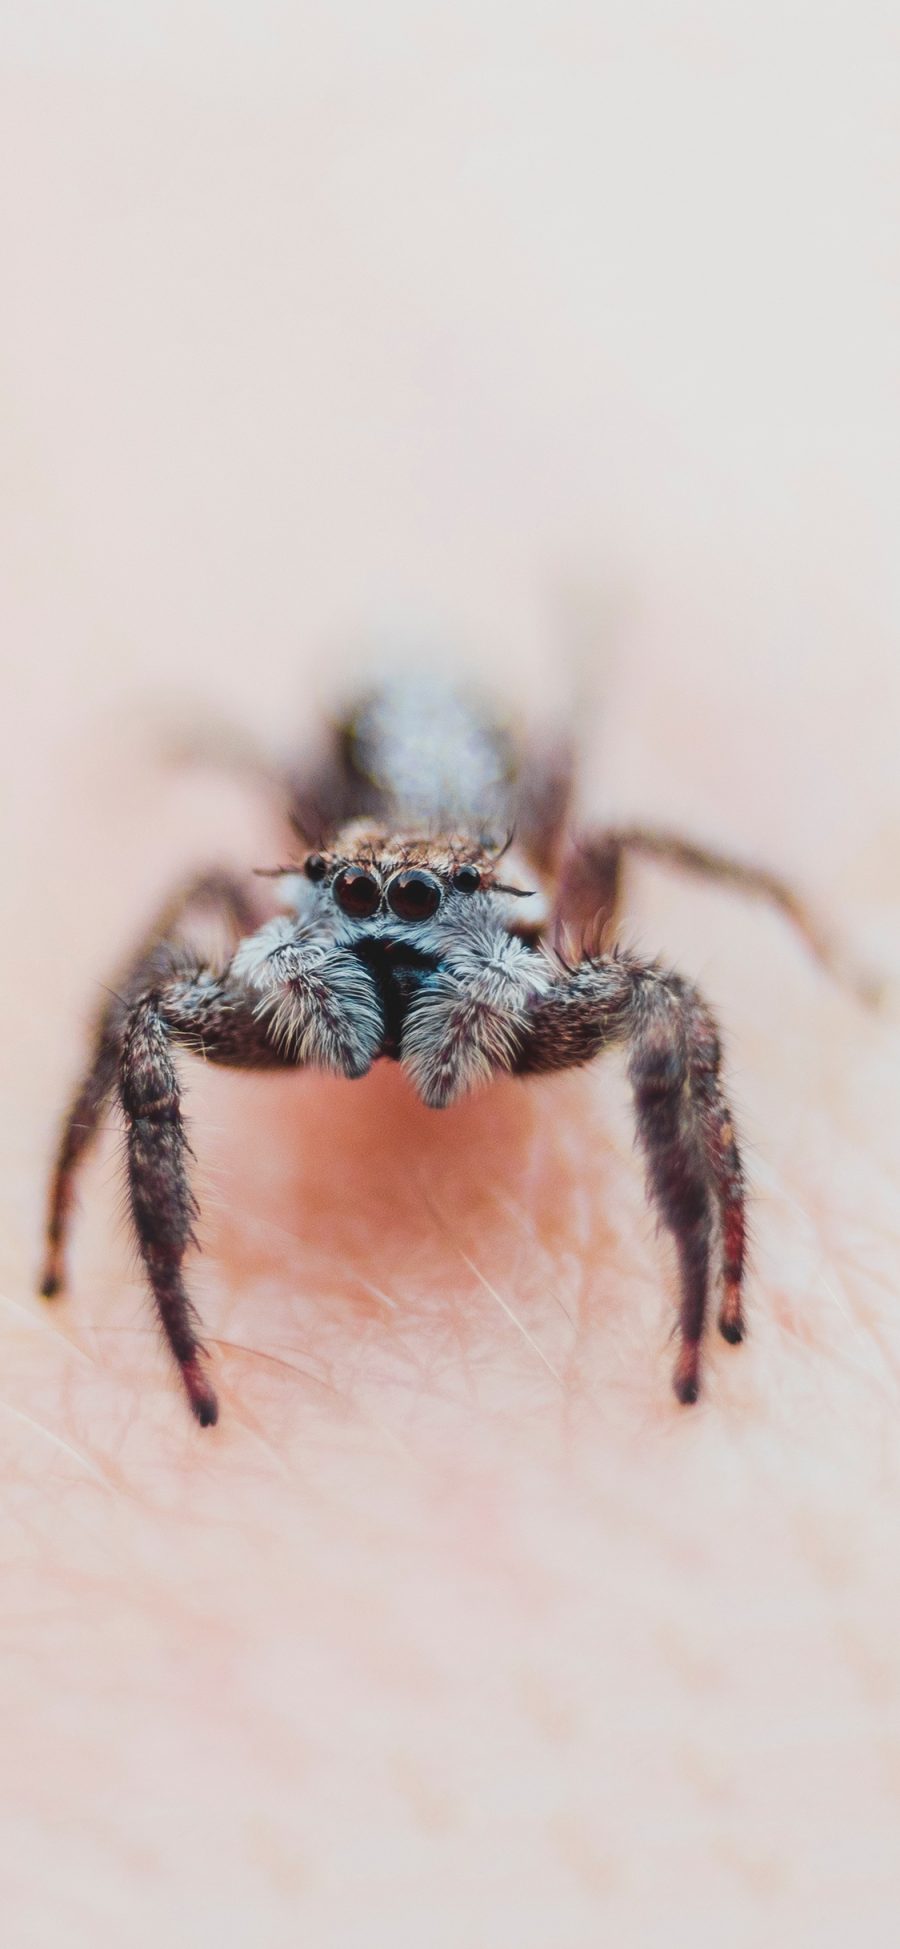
<point>456,1630</point>
<point>452,1549</point>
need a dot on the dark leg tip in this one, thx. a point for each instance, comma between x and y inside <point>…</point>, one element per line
<point>51,1284</point>
<point>731,1317</point>
<point>200,1394</point>
<point>686,1380</point>
<point>687,1391</point>
<point>207,1412</point>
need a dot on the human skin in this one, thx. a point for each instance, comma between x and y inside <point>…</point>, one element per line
<point>456,1631</point>
<point>456,1628</point>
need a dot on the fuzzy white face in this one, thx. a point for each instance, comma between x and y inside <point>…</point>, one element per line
<point>426,892</point>
<point>405,947</point>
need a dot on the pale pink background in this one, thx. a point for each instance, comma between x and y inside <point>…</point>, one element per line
<point>566,336</point>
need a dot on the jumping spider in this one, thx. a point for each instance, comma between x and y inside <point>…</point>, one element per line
<point>415,928</point>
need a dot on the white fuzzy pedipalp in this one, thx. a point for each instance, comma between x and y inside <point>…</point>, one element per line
<point>466,1024</point>
<point>321,1004</point>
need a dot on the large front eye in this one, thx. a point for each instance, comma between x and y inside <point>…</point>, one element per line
<point>414,895</point>
<point>357,892</point>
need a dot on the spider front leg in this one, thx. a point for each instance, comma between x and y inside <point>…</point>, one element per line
<point>212,1019</point>
<point>286,1000</point>
<point>217,1021</point>
<point>722,1153</point>
<point>152,964</point>
<point>684,1122</point>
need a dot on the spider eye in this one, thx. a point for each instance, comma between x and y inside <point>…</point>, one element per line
<point>315,867</point>
<point>467,879</point>
<point>413,895</point>
<point>357,892</point>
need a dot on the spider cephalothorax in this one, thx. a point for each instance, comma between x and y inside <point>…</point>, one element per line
<point>370,870</point>
<point>407,931</point>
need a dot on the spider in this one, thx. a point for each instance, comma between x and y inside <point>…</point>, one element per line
<point>429,921</point>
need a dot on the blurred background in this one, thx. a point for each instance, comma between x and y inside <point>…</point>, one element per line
<point>561,336</point>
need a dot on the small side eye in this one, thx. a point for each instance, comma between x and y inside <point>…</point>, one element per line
<point>315,867</point>
<point>466,879</point>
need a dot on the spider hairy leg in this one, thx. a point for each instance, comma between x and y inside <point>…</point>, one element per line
<point>162,1205</point>
<point>723,1154</point>
<point>684,1123</point>
<point>207,1017</point>
<point>171,999</point>
<point>670,1134</point>
<point>153,962</point>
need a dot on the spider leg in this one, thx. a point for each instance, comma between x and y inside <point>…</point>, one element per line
<point>683,1120</point>
<point>152,962</point>
<point>211,1018</point>
<point>283,1002</point>
<point>591,887</point>
<point>286,998</point>
<point>723,1156</point>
